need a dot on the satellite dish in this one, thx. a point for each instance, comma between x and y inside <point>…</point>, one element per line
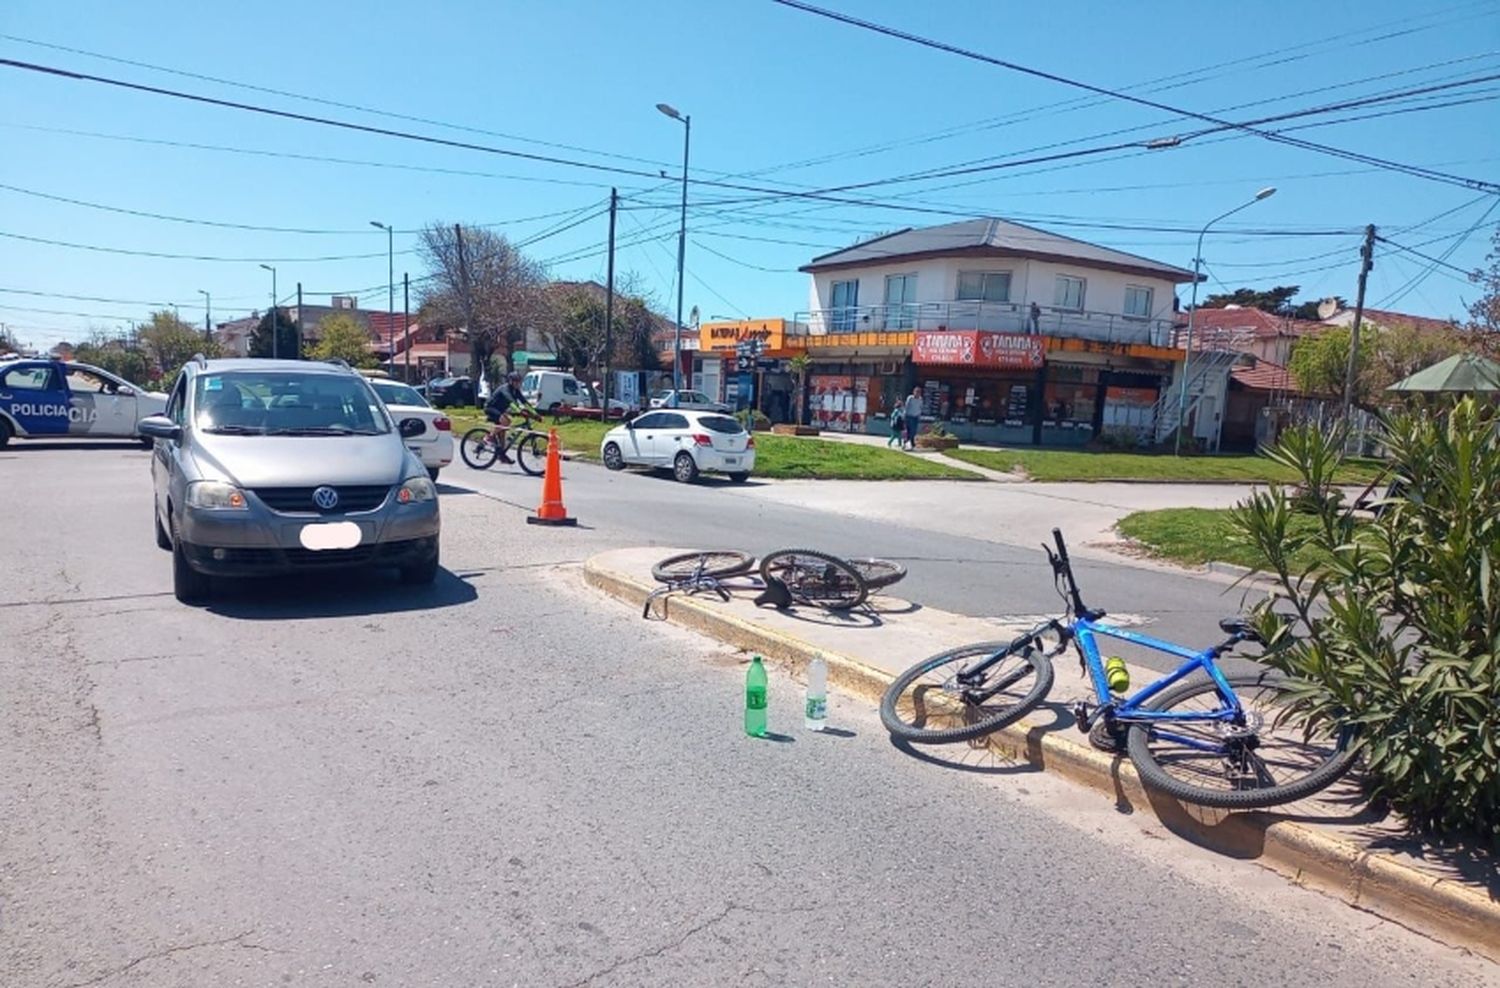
<point>1327,308</point>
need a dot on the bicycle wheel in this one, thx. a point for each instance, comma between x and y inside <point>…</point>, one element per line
<point>476,449</point>
<point>878,573</point>
<point>717,563</point>
<point>531,453</point>
<point>1265,762</point>
<point>816,578</point>
<point>927,704</point>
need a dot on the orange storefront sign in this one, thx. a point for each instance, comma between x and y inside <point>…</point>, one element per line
<point>723,337</point>
<point>976,348</point>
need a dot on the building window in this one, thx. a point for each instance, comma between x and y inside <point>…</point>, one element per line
<point>900,301</point>
<point>1069,294</point>
<point>1137,302</point>
<point>984,286</point>
<point>843,299</point>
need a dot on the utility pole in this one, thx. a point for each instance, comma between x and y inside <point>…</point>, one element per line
<point>208,308</point>
<point>463,295</point>
<point>299,320</point>
<point>406,319</point>
<point>1367,261</point>
<point>609,302</point>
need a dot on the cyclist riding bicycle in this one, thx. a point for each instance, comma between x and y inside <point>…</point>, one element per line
<point>497,411</point>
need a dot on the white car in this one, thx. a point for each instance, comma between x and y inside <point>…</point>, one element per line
<point>43,399</point>
<point>695,401</point>
<point>686,442</point>
<point>434,447</point>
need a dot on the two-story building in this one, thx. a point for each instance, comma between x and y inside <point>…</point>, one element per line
<point>1014,335</point>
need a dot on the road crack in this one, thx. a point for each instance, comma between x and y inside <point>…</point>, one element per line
<point>687,935</point>
<point>237,939</point>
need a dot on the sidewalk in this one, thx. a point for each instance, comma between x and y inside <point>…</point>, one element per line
<point>1331,841</point>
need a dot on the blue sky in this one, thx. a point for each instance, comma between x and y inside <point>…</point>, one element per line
<point>769,89</point>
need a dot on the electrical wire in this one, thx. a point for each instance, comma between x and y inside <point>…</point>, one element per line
<point>1126,97</point>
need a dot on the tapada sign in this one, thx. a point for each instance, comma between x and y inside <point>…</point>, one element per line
<point>975,348</point>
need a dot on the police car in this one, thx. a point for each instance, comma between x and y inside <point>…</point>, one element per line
<point>41,399</point>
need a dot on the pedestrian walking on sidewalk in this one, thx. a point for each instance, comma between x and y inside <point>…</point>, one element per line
<point>896,428</point>
<point>911,416</point>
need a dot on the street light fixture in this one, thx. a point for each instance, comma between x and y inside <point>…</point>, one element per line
<point>275,329</point>
<point>390,298</point>
<point>208,315</point>
<point>687,133</point>
<point>1187,352</point>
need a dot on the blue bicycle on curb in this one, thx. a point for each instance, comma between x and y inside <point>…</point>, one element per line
<point>1213,739</point>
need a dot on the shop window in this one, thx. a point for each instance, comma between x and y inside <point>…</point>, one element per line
<point>984,286</point>
<point>1069,293</point>
<point>1137,302</point>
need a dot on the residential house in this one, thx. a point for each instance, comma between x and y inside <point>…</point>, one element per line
<point>1013,334</point>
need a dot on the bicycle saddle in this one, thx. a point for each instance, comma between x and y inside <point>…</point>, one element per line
<point>1239,626</point>
<point>776,594</point>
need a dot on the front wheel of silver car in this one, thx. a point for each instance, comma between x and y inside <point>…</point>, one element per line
<point>613,460</point>
<point>188,585</point>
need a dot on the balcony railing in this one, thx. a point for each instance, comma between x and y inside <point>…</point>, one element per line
<point>997,317</point>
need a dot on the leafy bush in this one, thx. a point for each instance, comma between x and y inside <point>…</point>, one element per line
<point>1117,438</point>
<point>1397,631</point>
<point>752,420</point>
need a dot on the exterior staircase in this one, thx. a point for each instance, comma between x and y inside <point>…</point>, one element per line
<point>1205,369</point>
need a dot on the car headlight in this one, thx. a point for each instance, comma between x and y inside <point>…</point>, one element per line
<point>415,490</point>
<point>215,495</point>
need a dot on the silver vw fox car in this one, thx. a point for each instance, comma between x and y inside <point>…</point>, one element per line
<point>270,466</point>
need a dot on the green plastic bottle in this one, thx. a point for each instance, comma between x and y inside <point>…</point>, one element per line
<point>755,699</point>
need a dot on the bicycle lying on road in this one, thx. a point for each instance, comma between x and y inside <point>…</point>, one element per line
<point>1223,741</point>
<point>480,451</point>
<point>805,576</point>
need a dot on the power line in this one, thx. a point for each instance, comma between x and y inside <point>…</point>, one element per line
<point>1434,260</point>
<point>1141,101</point>
<point>194,257</point>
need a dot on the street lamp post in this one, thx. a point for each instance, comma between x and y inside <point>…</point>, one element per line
<point>390,297</point>
<point>1187,352</point>
<point>208,315</point>
<point>687,133</point>
<point>275,328</point>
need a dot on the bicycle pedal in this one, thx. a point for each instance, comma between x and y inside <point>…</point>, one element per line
<point>1081,715</point>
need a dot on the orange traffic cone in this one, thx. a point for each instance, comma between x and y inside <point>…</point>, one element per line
<point>551,510</point>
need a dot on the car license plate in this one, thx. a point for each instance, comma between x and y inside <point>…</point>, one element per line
<point>731,461</point>
<point>330,535</point>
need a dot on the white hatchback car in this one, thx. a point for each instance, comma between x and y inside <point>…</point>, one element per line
<point>434,447</point>
<point>688,443</point>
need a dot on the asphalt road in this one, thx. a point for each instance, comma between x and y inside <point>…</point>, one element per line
<point>506,779</point>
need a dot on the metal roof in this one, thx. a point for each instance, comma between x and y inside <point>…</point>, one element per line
<point>990,237</point>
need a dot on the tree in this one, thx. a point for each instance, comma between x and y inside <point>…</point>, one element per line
<point>8,341</point>
<point>169,342</point>
<point>1484,312</point>
<point>341,338</point>
<point>288,336</point>
<point>1386,355</point>
<point>575,326</point>
<point>496,293</point>
<point>116,354</point>
<point>1309,310</point>
<point>1277,300</point>
<point>800,364</point>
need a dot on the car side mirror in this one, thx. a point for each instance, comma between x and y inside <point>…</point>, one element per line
<point>411,428</point>
<point>159,427</point>
<point>630,423</point>
<point>125,391</point>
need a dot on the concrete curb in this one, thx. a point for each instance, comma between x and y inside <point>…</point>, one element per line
<point>1445,908</point>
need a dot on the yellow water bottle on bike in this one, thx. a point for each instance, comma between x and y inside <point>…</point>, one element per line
<point>1116,674</point>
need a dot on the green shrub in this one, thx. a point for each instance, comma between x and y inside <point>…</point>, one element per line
<point>1397,631</point>
<point>1120,438</point>
<point>752,420</point>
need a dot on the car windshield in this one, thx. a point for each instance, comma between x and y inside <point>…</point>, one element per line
<point>662,395</point>
<point>286,403</point>
<point>722,424</point>
<point>396,393</point>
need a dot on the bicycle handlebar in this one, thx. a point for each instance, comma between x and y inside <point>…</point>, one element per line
<point>1063,567</point>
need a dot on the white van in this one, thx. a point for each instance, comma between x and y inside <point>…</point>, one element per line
<point>550,390</point>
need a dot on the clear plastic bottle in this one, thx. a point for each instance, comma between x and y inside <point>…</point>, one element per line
<point>816,710</point>
<point>755,699</point>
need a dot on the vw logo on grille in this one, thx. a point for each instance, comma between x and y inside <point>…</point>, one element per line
<point>326,498</point>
